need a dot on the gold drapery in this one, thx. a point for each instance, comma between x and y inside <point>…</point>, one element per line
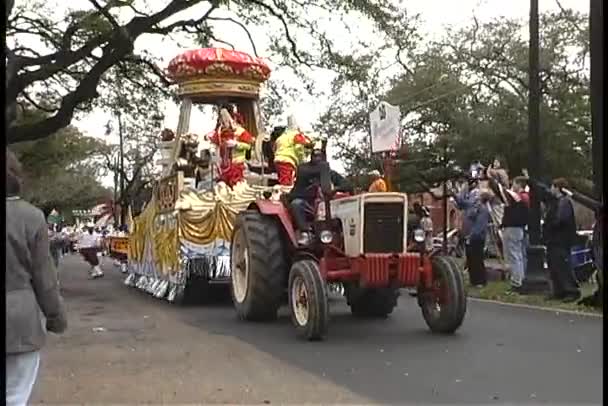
<point>166,248</point>
<point>200,219</point>
<point>141,225</point>
<point>204,228</point>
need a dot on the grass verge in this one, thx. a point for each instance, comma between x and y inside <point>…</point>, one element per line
<point>499,291</point>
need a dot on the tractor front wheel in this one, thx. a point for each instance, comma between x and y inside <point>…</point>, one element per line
<point>445,304</point>
<point>257,267</point>
<point>308,300</point>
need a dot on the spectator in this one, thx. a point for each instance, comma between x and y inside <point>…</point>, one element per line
<point>559,233</point>
<point>476,170</point>
<point>497,172</point>
<point>514,221</point>
<point>474,229</point>
<point>424,221</point>
<point>56,242</point>
<point>32,289</point>
<point>378,184</point>
<point>525,197</point>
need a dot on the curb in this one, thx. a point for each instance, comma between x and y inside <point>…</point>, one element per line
<point>532,307</point>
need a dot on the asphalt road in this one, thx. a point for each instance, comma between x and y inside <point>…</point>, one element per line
<point>124,346</point>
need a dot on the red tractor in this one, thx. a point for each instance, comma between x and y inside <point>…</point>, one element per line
<point>359,241</point>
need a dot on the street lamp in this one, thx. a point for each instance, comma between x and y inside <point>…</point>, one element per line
<point>535,280</point>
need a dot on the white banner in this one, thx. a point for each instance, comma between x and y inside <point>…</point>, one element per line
<point>385,125</point>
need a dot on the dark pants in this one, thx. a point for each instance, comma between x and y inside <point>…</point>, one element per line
<point>301,211</point>
<point>561,272</point>
<point>474,257</point>
<point>90,255</point>
<point>55,254</point>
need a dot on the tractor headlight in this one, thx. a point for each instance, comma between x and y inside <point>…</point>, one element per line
<point>419,235</point>
<point>321,212</point>
<point>326,236</point>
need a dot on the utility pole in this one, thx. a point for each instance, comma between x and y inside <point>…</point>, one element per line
<point>444,243</point>
<point>121,158</point>
<point>121,150</point>
<point>536,280</point>
<point>116,219</point>
<point>596,37</point>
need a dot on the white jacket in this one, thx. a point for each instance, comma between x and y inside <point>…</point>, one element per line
<point>89,240</point>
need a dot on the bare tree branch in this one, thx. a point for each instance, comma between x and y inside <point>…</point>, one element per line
<point>570,20</point>
<point>37,105</point>
<point>114,51</point>
<point>153,67</point>
<point>292,43</point>
<point>232,20</point>
<point>183,23</point>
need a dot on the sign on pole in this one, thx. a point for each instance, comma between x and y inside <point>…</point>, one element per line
<point>385,124</point>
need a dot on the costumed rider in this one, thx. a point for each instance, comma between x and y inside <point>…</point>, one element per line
<point>378,183</point>
<point>89,245</point>
<point>306,190</point>
<point>233,142</point>
<point>290,148</point>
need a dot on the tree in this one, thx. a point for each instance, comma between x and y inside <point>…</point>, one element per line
<point>137,120</point>
<point>57,62</point>
<point>61,171</point>
<point>471,87</point>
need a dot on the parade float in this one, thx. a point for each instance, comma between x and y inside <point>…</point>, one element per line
<point>179,246</point>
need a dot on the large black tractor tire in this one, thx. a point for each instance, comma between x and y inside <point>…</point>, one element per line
<point>258,275</point>
<point>371,302</point>
<point>444,312</point>
<point>308,300</point>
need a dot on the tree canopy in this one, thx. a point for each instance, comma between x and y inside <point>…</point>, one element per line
<point>56,62</point>
<point>61,171</point>
<point>471,87</point>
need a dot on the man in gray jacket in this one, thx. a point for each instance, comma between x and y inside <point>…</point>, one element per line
<point>33,302</point>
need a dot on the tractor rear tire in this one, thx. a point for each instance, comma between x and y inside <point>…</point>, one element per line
<point>308,300</point>
<point>258,266</point>
<point>371,302</point>
<point>447,317</point>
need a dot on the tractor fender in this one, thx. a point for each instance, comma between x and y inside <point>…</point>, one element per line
<point>301,255</point>
<point>276,209</point>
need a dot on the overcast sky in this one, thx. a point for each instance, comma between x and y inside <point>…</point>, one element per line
<point>435,15</point>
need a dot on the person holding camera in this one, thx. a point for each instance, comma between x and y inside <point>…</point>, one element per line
<point>513,225</point>
<point>474,203</point>
<point>497,172</point>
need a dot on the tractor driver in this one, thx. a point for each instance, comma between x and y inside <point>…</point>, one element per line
<point>304,193</point>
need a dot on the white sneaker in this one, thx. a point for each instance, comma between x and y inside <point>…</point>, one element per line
<point>97,272</point>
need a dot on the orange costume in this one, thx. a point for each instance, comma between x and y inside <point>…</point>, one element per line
<point>379,185</point>
<point>289,153</point>
<point>233,142</point>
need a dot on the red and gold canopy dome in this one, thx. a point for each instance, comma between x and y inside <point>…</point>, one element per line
<point>218,72</point>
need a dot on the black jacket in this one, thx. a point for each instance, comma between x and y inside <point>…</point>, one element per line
<point>559,228</point>
<point>516,211</point>
<point>308,179</point>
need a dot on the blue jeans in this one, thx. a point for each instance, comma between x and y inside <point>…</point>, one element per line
<point>21,372</point>
<point>525,251</point>
<point>513,247</point>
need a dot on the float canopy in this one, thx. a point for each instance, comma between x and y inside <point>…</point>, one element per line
<point>211,73</point>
